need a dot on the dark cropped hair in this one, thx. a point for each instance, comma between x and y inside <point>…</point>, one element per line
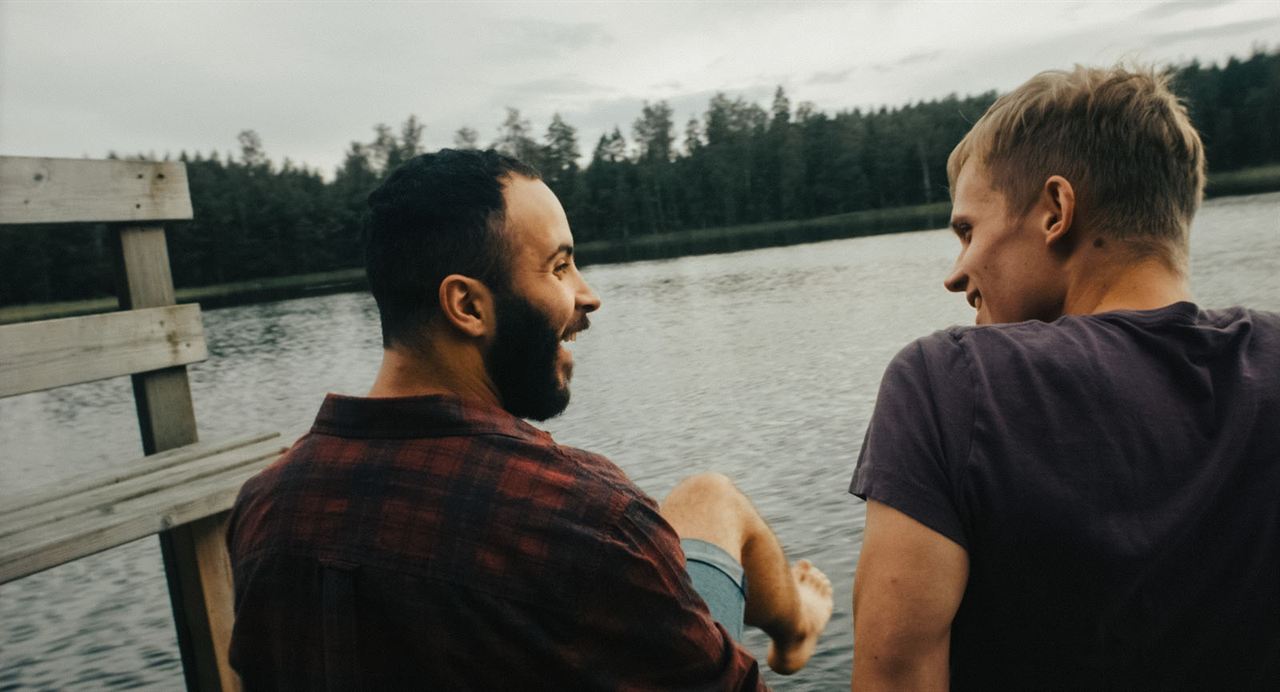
<point>437,214</point>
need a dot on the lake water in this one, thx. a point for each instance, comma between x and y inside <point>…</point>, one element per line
<point>762,365</point>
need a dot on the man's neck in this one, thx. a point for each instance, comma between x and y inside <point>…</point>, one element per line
<point>1146,284</point>
<point>405,372</point>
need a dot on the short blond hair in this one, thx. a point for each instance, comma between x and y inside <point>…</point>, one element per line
<point>1119,135</point>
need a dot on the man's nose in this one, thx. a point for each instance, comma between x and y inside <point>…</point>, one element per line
<point>587,300</point>
<point>958,280</point>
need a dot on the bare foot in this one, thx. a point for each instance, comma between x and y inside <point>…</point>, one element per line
<point>814,589</point>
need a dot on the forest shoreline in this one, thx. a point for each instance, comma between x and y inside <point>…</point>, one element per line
<point>701,241</point>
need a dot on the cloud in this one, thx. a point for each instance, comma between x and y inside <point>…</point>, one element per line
<point>602,116</point>
<point>566,85</point>
<point>839,77</point>
<point>919,57</point>
<point>1177,7</point>
<point>555,37</point>
<point>913,59</point>
<point>1200,33</point>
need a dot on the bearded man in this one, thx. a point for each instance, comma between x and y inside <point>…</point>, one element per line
<point>426,537</point>
<point>1080,492</point>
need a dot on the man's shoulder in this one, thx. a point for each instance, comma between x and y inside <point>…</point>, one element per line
<point>1088,354</point>
<point>944,350</point>
<point>597,465</point>
<point>433,497</point>
<point>960,360</point>
<point>981,340</point>
<point>515,469</point>
<point>1265,320</point>
<point>1081,337</point>
<point>997,340</point>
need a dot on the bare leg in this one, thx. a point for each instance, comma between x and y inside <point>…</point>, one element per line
<point>791,603</point>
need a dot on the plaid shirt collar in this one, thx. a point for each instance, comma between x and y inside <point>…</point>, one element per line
<point>435,415</point>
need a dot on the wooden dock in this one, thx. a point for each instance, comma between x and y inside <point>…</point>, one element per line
<point>181,490</point>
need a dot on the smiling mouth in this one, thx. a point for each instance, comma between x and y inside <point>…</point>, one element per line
<point>567,345</point>
<point>567,341</point>
<point>571,334</point>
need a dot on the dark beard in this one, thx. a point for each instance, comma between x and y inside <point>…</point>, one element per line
<point>522,360</point>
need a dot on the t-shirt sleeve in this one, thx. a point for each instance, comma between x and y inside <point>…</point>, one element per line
<point>917,443</point>
<point>648,627</point>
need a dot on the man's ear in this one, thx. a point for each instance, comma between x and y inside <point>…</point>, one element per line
<point>467,305</point>
<point>1058,210</point>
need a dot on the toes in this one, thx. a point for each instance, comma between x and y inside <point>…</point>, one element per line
<point>806,573</point>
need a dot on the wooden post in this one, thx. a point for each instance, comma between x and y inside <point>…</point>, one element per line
<point>195,557</point>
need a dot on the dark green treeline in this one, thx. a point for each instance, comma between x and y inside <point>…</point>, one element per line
<point>740,163</point>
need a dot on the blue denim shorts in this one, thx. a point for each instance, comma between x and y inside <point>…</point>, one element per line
<point>720,580</point>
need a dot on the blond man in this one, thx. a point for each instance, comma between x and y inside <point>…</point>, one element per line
<point>1082,490</point>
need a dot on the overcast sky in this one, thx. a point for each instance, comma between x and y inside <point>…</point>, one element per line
<point>86,78</point>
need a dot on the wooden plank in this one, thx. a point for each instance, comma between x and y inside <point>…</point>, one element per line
<point>52,544</point>
<point>165,413</point>
<point>213,591</point>
<point>156,462</point>
<point>102,499</point>
<point>54,353</point>
<point>43,190</point>
<point>167,419</point>
<point>143,278</point>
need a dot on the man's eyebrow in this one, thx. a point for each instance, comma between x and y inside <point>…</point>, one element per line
<point>564,249</point>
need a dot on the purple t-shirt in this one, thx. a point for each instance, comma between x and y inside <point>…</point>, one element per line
<point>1115,480</point>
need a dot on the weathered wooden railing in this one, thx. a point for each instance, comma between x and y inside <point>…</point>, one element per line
<point>184,487</point>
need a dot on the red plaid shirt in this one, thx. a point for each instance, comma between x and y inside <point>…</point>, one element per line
<point>435,544</point>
